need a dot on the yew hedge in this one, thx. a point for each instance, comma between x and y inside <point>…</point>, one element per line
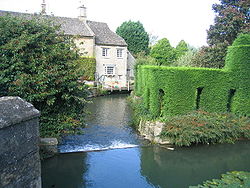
<point>170,91</point>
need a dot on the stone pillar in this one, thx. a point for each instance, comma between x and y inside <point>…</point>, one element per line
<point>19,136</point>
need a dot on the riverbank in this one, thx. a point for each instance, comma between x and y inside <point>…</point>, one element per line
<point>150,166</point>
<point>197,127</point>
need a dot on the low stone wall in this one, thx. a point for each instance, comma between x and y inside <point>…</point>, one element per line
<point>151,130</point>
<point>48,147</point>
<point>19,136</point>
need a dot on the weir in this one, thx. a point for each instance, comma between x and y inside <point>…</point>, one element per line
<point>109,164</point>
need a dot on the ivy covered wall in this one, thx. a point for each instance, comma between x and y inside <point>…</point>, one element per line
<point>169,91</point>
<point>87,65</point>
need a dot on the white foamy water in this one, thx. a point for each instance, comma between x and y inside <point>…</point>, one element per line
<point>88,148</point>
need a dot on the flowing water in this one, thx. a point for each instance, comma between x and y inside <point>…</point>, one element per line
<point>109,154</point>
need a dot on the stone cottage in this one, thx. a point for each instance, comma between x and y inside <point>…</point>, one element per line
<point>114,63</point>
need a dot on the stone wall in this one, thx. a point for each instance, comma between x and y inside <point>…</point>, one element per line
<point>19,152</point>
<point>151,130</point>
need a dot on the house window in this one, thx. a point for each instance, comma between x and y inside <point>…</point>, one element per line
<point>119,53</point>
<point>109,70</point>
<point>105,52</point>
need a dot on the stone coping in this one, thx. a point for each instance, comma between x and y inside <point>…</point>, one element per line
<point>14,110</point>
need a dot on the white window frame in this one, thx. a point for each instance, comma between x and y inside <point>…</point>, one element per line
<point>105,52</point>
<point>119,53</point>
<point>109,70</point>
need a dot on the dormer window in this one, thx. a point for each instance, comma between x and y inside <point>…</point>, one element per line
<point>105,52</point>
<point>119,53</point>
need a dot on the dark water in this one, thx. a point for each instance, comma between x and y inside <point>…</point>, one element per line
<point>107,127</point>
<point>138,166</point>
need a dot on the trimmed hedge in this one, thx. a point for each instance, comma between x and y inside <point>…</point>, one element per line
<point>170,91</point>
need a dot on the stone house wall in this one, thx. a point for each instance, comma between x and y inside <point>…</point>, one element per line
<point>86,45</point>
<point>120,63</point>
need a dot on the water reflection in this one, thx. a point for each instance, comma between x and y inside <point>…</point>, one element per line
<point>191,166</point>
<point>107,127</point>
<point>144,167</point>
<point>115,169</point>
<point>64,171</point>
<point>140,167</point>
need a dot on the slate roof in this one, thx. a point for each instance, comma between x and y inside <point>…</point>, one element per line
<point>74,26</point>
<point>70,26</point>
<point>104,36</point>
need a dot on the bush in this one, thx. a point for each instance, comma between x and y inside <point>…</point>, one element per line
<point>205,128</point>
<point>229,180</point>
<point>37,64</point>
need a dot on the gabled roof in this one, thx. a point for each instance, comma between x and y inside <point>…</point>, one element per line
<point>70,26</point>
<point>74,26</point>
<point>104,36</point>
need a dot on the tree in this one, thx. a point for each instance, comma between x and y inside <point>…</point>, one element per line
<point>135,36</point>
<point>187,60</point>
<point>38,64</point>
<point>163,52</point>
<point>152,39</point>
<point>232,18</point>
<point>181,49</point>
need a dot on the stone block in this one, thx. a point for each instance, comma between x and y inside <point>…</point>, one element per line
<point>19,151</point>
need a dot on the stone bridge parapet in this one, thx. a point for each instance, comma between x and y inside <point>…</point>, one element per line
<point>19,151</point>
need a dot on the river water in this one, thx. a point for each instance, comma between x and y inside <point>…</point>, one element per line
<point>109,154</point>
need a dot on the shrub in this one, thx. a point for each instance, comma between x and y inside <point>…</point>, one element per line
<point>37,64</point>
<point>229,180</point>
<point>205,128</point>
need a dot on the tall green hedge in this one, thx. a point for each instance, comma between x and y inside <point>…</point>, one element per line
<point>87,65</point>
<point>169,91</point>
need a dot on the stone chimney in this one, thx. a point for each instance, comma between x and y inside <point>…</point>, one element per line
<point>83,13</point>
<point>43,5</point>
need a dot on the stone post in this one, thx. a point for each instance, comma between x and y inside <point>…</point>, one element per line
<point>19,136</point>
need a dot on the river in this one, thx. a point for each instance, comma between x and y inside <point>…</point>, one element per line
<point>109,154</point>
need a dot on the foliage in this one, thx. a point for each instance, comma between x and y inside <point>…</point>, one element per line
<point>139,111</point>
<point>87,67</point>
<point>232,18</point>
<point>210,56</point>
<point>181,49</point>
<point>163,52</point>
<point>152,39</point>
<point>37,64</point>
<point>170,91</point>
<point>235,179</point>
<point>205,128</point>
<point>135,36</point>
<point>186,60</point>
